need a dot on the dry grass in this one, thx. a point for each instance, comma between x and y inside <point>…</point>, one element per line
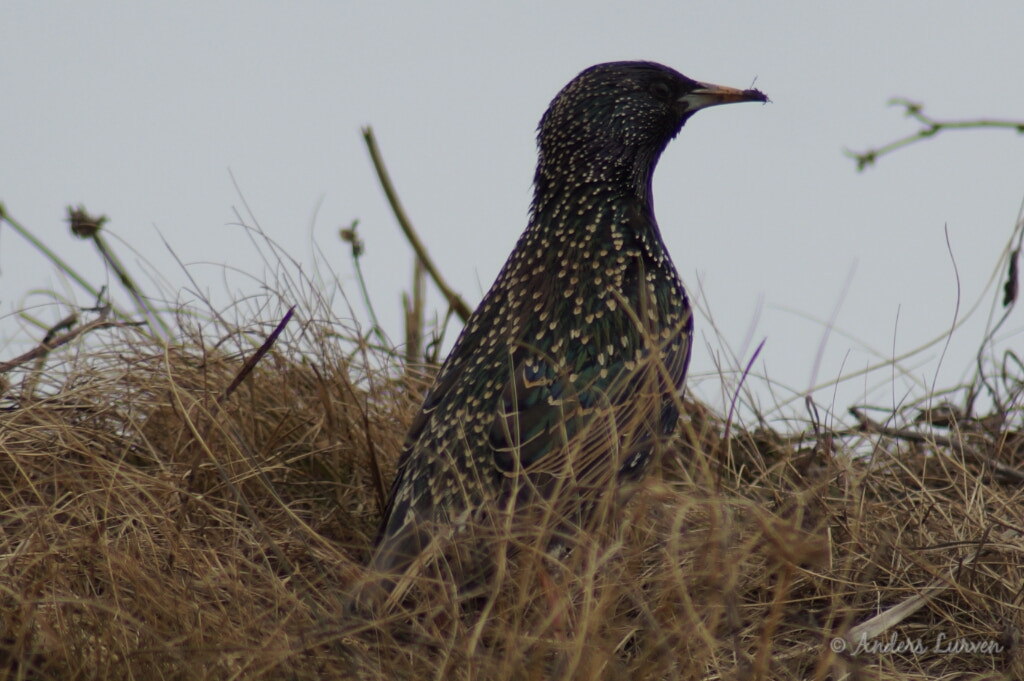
<point>154,529</point>
<point>156,525</point>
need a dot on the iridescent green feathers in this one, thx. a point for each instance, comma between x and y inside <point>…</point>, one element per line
<point>566,379</point>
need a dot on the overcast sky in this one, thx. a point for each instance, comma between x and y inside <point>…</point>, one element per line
<point>143,111</point>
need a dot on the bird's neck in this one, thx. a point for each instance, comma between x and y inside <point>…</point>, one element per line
<point>578,177</point>
<point>567,199</point>
<point>579,215</point>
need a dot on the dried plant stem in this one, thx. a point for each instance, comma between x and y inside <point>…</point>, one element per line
<point>949,444</point>
<point>142,304</point>
<point>52,343</point>
<point>454,300</point>
<point>415,306</point>
<point>56,260</point>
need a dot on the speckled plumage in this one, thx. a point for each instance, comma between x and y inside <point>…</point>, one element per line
<point>567,378</point>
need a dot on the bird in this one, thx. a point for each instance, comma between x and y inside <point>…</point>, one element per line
<point>566,381</point>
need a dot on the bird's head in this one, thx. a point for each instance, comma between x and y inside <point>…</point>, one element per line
<point>618,117</point>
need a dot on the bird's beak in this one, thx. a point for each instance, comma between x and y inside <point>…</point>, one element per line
<point>708,94</point>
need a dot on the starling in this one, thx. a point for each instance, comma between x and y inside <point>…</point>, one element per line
<point>567,379</point>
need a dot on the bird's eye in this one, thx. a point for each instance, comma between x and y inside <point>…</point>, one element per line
<point>660,90</point>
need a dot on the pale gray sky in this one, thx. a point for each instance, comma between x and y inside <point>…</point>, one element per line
<point>139,111</point>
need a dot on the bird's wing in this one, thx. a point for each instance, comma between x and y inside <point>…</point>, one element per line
<point>420,466</point>
<point>590,420</point>
<point>398,500</point>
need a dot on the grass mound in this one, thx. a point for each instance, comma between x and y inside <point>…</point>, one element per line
<point>199,509</point>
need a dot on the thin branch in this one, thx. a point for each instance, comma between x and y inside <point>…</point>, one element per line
<point>454,301</point>
<point>929,128</point>
<point>954,444</point>
<point>53,341</point>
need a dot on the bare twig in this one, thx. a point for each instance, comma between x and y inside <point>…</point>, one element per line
<point>1011,253</point>
<point>454,300</point>
<point>47,346</point>
<point>929,128</point>
<point>956,445</point>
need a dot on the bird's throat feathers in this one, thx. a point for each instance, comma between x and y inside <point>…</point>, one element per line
<point>596,196</point>
<point>598,175</point>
